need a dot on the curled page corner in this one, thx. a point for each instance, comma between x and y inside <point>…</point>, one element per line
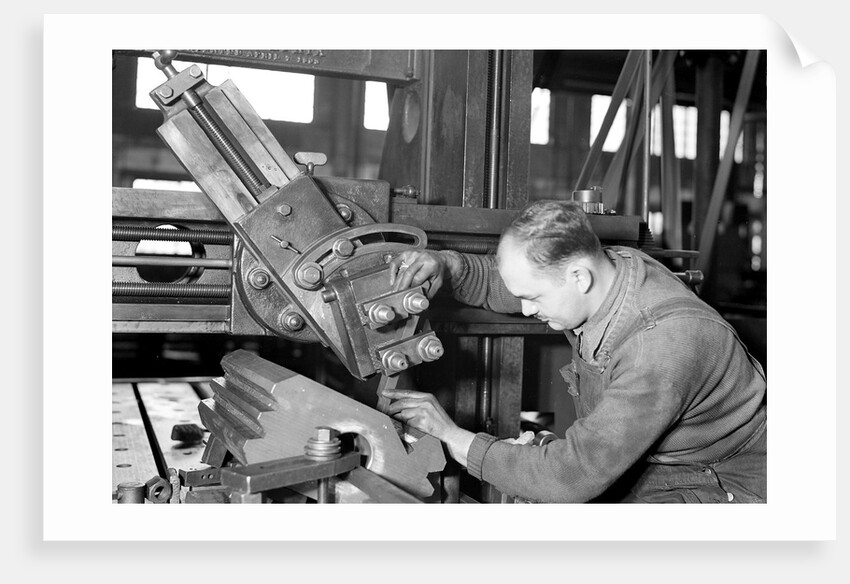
<point>806,56</point>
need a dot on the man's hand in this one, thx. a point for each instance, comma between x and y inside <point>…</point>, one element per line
<point>414,268</point>
<point>424,412</point>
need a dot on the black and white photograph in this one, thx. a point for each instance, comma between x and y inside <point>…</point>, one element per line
<point>439,276</point>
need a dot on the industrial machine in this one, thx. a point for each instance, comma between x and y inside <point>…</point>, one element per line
<point>273,249</point>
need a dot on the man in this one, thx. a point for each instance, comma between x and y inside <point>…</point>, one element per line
<point>670,405</point>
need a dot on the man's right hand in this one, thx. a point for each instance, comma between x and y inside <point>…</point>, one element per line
<point>414,268</point>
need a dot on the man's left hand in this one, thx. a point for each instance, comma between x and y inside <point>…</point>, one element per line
<point>424,412</point>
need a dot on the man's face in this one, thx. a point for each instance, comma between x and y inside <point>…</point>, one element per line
<point>546,295</point>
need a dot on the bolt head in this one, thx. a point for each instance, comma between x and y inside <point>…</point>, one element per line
<point>345,212</point>
<point>195,71</point>
<point>165,92</point>
<point>343,248</point>
<point>311,274</point>
<point>284,210</point>
<point>292,321</point>
<point>259,279</point>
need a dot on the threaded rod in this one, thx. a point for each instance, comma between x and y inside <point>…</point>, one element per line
<point>174,290</point>
<point>223,145</point>
<point>133,233</point>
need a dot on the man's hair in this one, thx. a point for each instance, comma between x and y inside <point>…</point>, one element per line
<point>554,233</point>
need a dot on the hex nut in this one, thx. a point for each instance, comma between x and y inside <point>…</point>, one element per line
<point>430,349</point>
<point>415,303</point>
<point>311,274</point>
<point>165,92</point>
<point>381,314</point>
<point>195,71</point>
<point>157,489</point>
<point>394,361</point>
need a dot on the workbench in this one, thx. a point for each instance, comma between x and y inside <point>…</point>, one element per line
<point>144,412</point>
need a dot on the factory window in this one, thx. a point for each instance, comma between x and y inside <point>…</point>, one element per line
<point>275,95</point>
<point>725,122</point>
<point>165,185</point>
<point>598,108</point>
<point>684,130</point>
<point>540,101</point>
<point>376,107</point>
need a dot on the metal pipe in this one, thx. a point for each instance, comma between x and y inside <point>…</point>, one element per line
<point>484,420</point>
<point>494,91</point>
<point>172,262</point>
<point>133,233</point>
<point>147,289</point>
<point>647,135</point>
<point>322,491</point>
<point>493,155</point>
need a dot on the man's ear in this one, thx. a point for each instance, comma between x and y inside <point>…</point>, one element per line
<point>581,277</point>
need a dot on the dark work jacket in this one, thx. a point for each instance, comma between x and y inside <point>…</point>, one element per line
<point>670,405</point>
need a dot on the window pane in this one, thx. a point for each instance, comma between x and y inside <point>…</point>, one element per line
<point>275,95</point>
<point>165,185</point>
<point>376,109</point>
<point>598,108</point>
<point>540,105</point>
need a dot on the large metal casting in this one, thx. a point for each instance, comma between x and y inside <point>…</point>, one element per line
<point>263,412</point>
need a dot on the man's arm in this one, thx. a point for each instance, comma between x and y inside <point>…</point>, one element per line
<point>646,396</point>
<point>474,279</point>
<point>423,411</point>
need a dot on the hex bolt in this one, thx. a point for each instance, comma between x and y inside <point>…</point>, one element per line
<point>394,361</point>
<point>324,445</point>
<point>345,212</point>
<point>165,92</point>
<point>430,349</point>
<point>195,71</point>
<point>292,321</point>
<point>259,278</point>
<point>284,210</point>
<point>311,274</point>
<point>381,314</point>
<point>415,302</point>
<point>343,248</point>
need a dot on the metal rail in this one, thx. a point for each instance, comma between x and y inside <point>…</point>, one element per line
<point>172,262</point>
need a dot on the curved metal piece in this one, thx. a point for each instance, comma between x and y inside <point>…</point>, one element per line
<point>322,253</point>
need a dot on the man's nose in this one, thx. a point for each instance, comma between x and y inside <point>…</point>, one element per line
<point>528,308</point>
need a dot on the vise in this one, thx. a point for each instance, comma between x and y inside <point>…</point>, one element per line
<point>308,265</point>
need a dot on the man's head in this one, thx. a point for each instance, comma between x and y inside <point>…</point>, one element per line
<point>550,258</point>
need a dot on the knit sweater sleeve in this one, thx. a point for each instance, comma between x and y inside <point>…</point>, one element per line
<point>480,284</point>
<point>643,399</point>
